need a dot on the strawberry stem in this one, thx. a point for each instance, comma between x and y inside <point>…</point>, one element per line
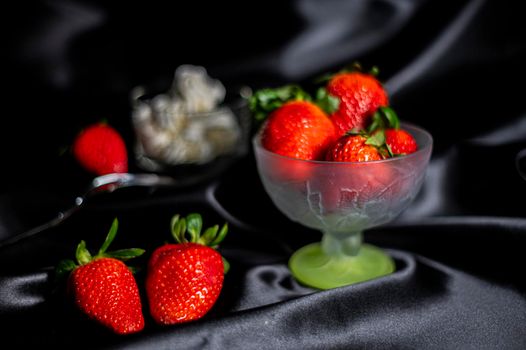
<point>377,139</point>
<point>391,116</point>
<point>264,101</point>
<point>209,235</point>
<point>82,254</point>
<point>178,226</point>
<point>193,225</point>
<point>226,266</point>
<point>110,237</point>
<point>354,67</point>
<point>384,118</point>
<point>220,236</point>
<point>326,101</point>
<point>125,254</point>
<point>63,268</point>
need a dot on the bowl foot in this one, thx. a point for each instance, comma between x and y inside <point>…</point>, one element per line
<point>311,266</point>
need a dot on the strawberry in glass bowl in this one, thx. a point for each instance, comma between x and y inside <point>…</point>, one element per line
<point>339,184</point>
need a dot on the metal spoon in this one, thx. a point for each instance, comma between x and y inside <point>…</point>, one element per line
<point>101,184</point>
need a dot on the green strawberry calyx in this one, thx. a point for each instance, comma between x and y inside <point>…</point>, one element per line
<point>190,230</point>
<point>327,102</point>
<point>264,101</point>
<point>357,67</point>
<point>384,118</point>
<point>83,255</point>
<point>354,67</point>
<point>376,138</point>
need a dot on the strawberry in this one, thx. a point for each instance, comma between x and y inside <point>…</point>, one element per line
<point>185,279</point>
<point>298,129</point>
<point>354,184</point>
<point>104,288</point>
<point>100,149</point>
<point>353,148</point>
<point>295,127</point>
<point>398,141</point>
<point>360,94</point>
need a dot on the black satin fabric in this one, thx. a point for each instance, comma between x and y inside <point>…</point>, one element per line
<point>458,284</point>
<point>454,68</point>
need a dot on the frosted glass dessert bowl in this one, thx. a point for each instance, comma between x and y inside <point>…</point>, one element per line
<point>342,199</point>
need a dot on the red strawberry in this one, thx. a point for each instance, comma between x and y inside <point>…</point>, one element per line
<point>353,148</point>
<point>360,95</point>
<point>295,127</point>
<point>100,149</point>
<point>298,129</point>
<point>104,288</point>
<point>185,279</point>
<point>354,184</point>
<point>400,141</point>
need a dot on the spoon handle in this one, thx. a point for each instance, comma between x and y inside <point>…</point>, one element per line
<point>101,184</point>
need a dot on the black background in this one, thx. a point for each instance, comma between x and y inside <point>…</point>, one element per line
<point>455,68</point>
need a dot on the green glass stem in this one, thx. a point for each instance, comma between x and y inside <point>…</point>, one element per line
<point>342,244</point>
<point>338,260</point>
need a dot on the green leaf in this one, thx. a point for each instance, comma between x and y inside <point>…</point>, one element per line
<point>178,226</point>
<point>173,224</point>
<point>377,122</point>
<point>355,67</point>
<point>389,150</point>
<point>264,101</point>
<point>326,101</point>
<point>110,237</point>
<point>377,139</point>
<point>82,254</point>
<point>324,78</point>
<point>64,267</point>
<point>226,266</point>
<point>194,224</point>
<point>134,270</point>
<point>374,71</point>
<point>391,117</point>
<point>355,132</point>
<point>384,118</point>
<point>209,235</point>
<point>220,236</point>
<point>125,254</point>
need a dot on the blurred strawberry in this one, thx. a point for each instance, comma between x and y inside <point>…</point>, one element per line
<point>298,129</point>
<point>294,127</point>
<point>355,148</point>
<point>100,149</point>
<point>354,183</point>
<point>363,184</point>
<point>360,94</point>
<point>398,141</point>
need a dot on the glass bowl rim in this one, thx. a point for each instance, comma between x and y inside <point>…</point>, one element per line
<point>256,141</point>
